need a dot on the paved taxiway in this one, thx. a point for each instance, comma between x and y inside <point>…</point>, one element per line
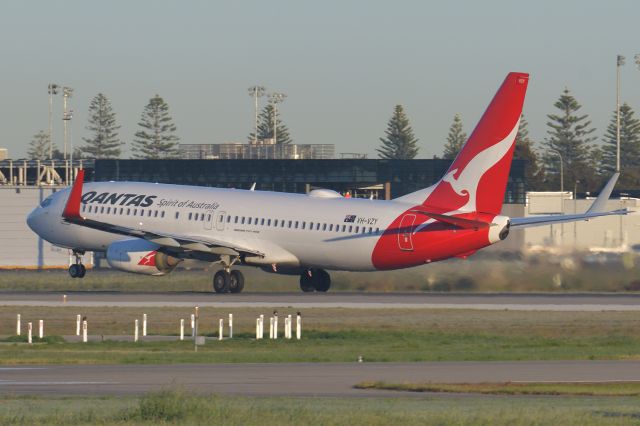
<point>521,302</point>
<point>304,379</point>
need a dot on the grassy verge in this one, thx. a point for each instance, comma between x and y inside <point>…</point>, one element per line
<point>176,407</point>
<point>556,389</point>
<point>331,335</point>
<point>484,275</point>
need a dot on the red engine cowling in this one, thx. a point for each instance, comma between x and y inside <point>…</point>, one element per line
<point>141,257</point>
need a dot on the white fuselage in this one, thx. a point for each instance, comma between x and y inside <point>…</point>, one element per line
<point>323,230</point>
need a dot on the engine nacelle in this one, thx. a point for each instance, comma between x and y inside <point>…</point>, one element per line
<point>500,230</point>
<point>141,257</point>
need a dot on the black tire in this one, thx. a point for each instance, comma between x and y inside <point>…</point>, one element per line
<point>221,282</point>
<point>236,282</point>
<point>306,282</point>
<point>74,271</point>
<point>322,280</point>
<point>83,271</point>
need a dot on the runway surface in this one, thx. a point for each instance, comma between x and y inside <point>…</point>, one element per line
<point>296,379</point>
<point>522,302</point>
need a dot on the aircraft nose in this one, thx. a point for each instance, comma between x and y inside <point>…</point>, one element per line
<point>32,220</point>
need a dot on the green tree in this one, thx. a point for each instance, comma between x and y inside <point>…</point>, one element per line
<point>455,139</point>
<point>265,126</point>
<point>39,146</point>
<point>569,135</point>
<point>157,138</point>
<point>399,142</point>
<point>534,174</point>
<point>102,122</point>
<point>629,148</point>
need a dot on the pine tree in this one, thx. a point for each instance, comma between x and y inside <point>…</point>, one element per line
<point>39,146</point>
<point>157,138</point>
<point>455,139</point>
<point>534,175</point>
<point>102,122</point>
<point>629,148</point>
<point>569,135</point>
<point>400,142</point>
<point>265,127</point>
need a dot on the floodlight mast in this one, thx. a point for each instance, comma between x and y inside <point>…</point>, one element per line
<point>276,98</point>
<point>52,89</point>
<point>619,62</point>
<point>256,92</point>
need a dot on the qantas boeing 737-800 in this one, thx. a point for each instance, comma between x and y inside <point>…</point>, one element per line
<point>149,228</point>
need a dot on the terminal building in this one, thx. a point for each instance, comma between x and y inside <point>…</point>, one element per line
<point>264,149</point>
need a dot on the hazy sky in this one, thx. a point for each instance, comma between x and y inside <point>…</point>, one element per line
<point>343,64</point>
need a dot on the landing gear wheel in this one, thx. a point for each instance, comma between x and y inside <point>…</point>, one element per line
<point>221,281</point>
<point>306,282</point>
<point>322,280</point>
<point>236,282</point>
<point>83,270</point>
<point>74,271</point>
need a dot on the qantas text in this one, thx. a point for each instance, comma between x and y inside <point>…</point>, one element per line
<point>139,200</point>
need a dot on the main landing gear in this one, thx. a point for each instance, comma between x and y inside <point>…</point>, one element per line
<point>226,280</point>
<point>315,280</point>
<point>77,269</point>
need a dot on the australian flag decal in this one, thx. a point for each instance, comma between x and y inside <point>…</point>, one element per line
<point>350,218</point>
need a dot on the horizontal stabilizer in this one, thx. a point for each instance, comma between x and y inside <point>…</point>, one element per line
<point>457,221</point>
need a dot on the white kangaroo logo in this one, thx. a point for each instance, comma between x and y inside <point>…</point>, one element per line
<point>467,183</point>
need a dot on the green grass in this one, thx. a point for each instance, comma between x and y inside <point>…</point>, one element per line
<point>555,389</point>
<point>178,407</point>
<point>334,346</point>
<point>331,335</point>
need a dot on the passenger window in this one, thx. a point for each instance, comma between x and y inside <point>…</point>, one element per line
<point>337,228</point>
<point>303,224</point>
<point>262,222</point>
<point>228,219</point>
<point>202,217</point>
<point>310,226</point>
<point>317,226</point>
<point>255,220</point>
<point>121,210</point>
<point>281,223</point>
<point>236,220</point>
<point>377,230</point>
<point>83,207</point>
<point>296,226</point>
<point>324,226</point>
<point>177,215</point>
<point>289,224</point>
<point>101,209</point>
<point>128,212</point>
<point>331,227</point>
<point>155,213</point>
<point>162,214</point>
<point>242,221</point>
<point>149,213</point>
<point>350,228</point>
<point>190,216</point>
<point>357,229</point>
<point>268,222</point>
<point>141,212</point>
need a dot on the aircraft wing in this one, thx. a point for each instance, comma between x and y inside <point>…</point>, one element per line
<point>596,210</point>
<point>71,214</point>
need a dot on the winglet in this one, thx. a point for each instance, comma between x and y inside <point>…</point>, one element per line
<point>72,209</point>
<point>598,205</point>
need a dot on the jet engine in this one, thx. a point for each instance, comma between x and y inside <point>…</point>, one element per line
<point>141,257</point>
<point>500,229</point>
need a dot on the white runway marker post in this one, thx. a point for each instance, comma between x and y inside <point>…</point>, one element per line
<point>193,325</point>
<point>261,326</point>
<point>275,326</point>
<point>258,328</point>
<point>144,325</point>
<point>195,317</point>
<point>64,298</point>
<point>18,325</point>
<point>220,329</point>
<point>84,331</point>
<point>182,329</point>
<point>29,333</point>
<point>299,326</point>
<point>78,323</point>
<point>271,328</point>
<point>135,330</point>
<point>290,324</point>
<point>230,326</point>
<point>40,329</point>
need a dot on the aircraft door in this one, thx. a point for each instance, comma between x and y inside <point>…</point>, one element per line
<point>208,219</point>
<point>220,219</point>
<point>405,232</point>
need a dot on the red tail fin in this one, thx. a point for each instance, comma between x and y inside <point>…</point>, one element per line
<point>72,208</point>
<point>477,178</point>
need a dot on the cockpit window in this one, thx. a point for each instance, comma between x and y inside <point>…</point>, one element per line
<point>46,201</point>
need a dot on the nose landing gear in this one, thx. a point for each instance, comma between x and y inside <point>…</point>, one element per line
<point>77,269</point>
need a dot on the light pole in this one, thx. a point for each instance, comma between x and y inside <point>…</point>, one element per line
<point>276,98</point>
<point>575,211</point>
<point>52,88</point>
<point>256,92</point>
<point>67,92</point>
<point>561,189</point>
<point>619,63</point>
